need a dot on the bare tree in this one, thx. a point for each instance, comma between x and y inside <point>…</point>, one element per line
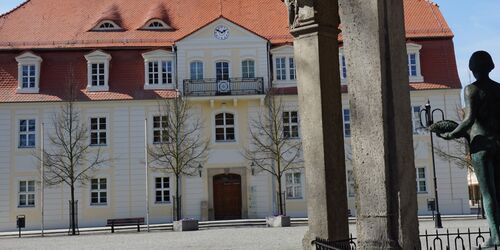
<point>69,159</point>
<point>179,147</point>
<point>274,147</point>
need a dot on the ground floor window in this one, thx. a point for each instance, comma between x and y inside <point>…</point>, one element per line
<point>27,193</point>
<point>293,185</point>
<point>421,180</point>
<point>162,189</point>
<point>98,191</point>
<point>350,183</point>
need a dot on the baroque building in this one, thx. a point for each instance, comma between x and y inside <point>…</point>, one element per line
<point>224,58</point>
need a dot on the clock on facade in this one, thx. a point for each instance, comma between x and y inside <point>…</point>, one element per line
<point>221,32</point>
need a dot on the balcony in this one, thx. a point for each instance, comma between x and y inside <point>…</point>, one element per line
<point>231,87</point>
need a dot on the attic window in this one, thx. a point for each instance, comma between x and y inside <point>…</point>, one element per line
<point>156,24</point>
<point>107,25</point>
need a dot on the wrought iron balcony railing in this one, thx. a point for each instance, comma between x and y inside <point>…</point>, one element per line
<point>231,87</point>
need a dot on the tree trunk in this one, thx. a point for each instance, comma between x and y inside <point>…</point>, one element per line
<point>280,198</point>
<point>178,215</point>
<point>73,219</point>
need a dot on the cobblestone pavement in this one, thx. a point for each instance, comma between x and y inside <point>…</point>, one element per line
<point>258,238</point>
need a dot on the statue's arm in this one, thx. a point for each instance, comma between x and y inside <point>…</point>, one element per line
<point>470,98</point>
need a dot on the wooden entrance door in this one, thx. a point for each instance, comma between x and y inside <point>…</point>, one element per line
<point>227,196</point>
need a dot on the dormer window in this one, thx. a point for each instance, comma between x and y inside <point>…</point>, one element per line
<point>107,25</point>
<point>28,73</point>
<point>159,69</point>
<point>156,24</point>
<point>98,71</point>
<point>414,67</point>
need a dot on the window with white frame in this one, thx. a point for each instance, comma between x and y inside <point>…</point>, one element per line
<point>347,122</point>
<point>160,133</point>
<point>293,185</point>
<point>26,193</point>
<point>350,183</point>
<point>414,67</point>
<point>98,191</point>
<point>415,113</point>
<point>222,71</point>
<point>248,69</point>
<point>281,68</point>
<point>224,127</point>
<point>196,70</point>
<point>98,131</point>
<point>162,189</point>
<point>290,124</point>
<point>291,68</point>
<point>97,71</point>
<point>156,24</point>
<point>343,68</point>
<point>421,180</point>
<point>107,25</point>
<point>158,69</point>
<point>27,133</point>
<point>28,73</point>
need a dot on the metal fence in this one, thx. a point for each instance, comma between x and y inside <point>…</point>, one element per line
<point>459,240</point>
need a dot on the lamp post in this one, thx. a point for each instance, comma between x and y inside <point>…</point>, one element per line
<point>200,169</point>
<point>429,120</point>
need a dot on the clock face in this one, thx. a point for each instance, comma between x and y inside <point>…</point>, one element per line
<point>221,32</point>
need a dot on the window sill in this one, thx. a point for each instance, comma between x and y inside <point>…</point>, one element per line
<point>168,86</point>
<point>225,142</point>
<point>26,147</point>
<point>295,199</point>
<point>98,205</point>
<point>27,206</point>
<point>28,90</point>
<point>163,203</point>
<point>98,145</point>
<point>416,79</point>
<point>98,88</point>
<point>423,192</point>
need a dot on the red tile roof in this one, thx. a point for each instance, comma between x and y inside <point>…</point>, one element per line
<point>66,24</point>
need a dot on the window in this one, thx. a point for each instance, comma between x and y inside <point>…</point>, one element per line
<point>162,189</point>
<point>98,131</point>
<point>196,68</point>
<point>421,181</point>
<point>248,69</point>
<point>414,69</point>
<point>160,133</point>
<point>160,72</point>
<point>291,124</point>
<point>350,183</point>
<point>158,69</point>
<point>98,191</point>
<point>416,119</point>
<point>347,123</point>
<point>156,24</point>
<point>27,193</point>
<point>27,133</point>
<point>97,71</point>
<point>343,68</point>
<point>293,185</point>
<point>222,71</point>
<point>28,73</point>
<point>291,68</point>
<point>281,68</point>
<point>107,25</point>
<point>224,127</point>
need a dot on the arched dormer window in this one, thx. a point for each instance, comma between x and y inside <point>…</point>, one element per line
<point>156,24</point>
<point>225,127</point>
<point>107,25</point>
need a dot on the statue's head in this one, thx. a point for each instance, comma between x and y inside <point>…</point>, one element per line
<point>481,63</point>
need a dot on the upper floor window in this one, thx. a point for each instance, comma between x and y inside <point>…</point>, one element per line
<point>27,133</point>
<point>281,68</point>
<point>293,185</point>
<point>28,73</point>
<point>159,69</point>
<point>347,122</point>
<point>343,68</point>
<point>27,193</point>
<point>98,191</point>
<point>350,183</point>
<point>285,68</point>
<point>98,131</point>
<point>291,68</point>
<point>421,180</point>
<point>107,25</point>
<point>162,189</point>
<point>248,69</point>
<point>156,24</point>
<point>414,67</point>
<point>160,132</point>
<point>291,124</point>
<point>196,70</point>
<point>222,71</point>
<point>98,71</point>
<point>224,127</point>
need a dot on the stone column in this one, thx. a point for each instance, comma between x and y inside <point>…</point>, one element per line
<point>314,24</point>
<point>382,139</point>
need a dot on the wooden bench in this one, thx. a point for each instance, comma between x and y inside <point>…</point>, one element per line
<point>125,222</point>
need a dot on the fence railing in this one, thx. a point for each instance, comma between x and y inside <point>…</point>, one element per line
<point>459,240</point>
<point>233,86</point>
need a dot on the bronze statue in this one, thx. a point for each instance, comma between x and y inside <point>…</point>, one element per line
<point>481,127</point>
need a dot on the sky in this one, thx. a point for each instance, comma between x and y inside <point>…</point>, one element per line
<point>476,25</point>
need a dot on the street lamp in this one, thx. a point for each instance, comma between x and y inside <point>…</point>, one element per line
<point>252,167</point>
<point>200,168</point>
<point>429,120</point>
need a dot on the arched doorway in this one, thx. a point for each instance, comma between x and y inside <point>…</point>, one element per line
<point>227,196</point>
